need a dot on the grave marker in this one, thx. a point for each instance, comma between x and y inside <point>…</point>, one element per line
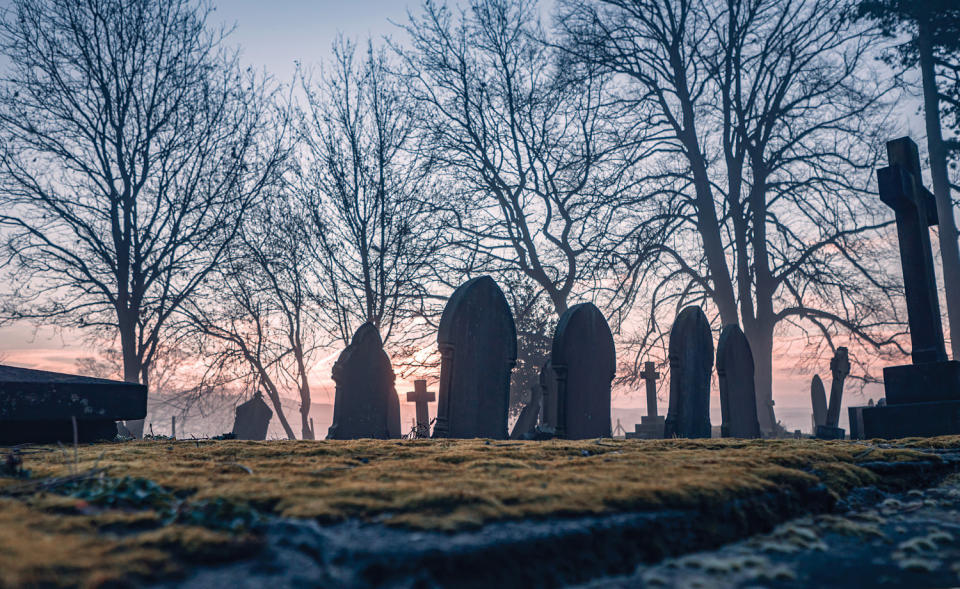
<point>366,403</point>
<point>584,361</point>
<point>39,406</point>
<point>651,426</point>
<point>691,362</point>
<point>818,397</point>
<point>839,369</point>
<point>421,396</point>
<point>738,397</point>
<point>252,419</point>
<point>922,398</point>
<point>478,349</point>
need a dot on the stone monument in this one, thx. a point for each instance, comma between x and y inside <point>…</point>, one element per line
<point>738,397</point>
<point>691,363</point>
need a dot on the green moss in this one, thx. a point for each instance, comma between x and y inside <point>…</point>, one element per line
<point>163,504</point>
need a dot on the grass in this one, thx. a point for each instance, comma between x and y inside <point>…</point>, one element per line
<point>158,507</point>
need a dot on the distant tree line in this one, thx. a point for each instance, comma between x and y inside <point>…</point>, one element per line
<point>641,154</point>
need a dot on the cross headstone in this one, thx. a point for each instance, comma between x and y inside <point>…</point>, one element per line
<point>584,361</point>
<point>421,396</point>
<point>477,340</point>
<point>37,406</point>
<point>366,403</point>
<point>839,369</point>
<point>691,362</point>
<point>738,397</point>
<point>818,397</point>
<point>252,419</point>
<point>651,425</point>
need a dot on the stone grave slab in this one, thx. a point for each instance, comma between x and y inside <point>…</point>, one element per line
<point>738,397</point>
<point>818,398</point>
<point>584,361</point>
<point>366,403</point>
<point>38,406</point>
<point>477,340</point>
<point>691,363</point>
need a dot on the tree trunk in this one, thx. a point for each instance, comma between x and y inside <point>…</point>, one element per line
<point>949,252</point>
<point>761,344</point>
<point>132,368</point>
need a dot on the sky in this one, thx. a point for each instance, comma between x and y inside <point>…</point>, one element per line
<point>273,36</point>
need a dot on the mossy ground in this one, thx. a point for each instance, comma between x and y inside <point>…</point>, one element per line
<point>64,537</point>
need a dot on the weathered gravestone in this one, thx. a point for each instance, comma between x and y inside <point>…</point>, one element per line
<point>421,396</point>
<point>39,406</point>
<point>839,369</point>
<point>922,398</point>
<point>738,397</point>
<point>818,397</point>
<point>477,340</point>
<point>527,420</point>
<point>584,362</point>
<point>366,403</point>
<point>651,425</point>
<point>252,419</point>
<point>691,362</point>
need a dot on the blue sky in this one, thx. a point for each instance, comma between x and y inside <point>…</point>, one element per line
<point>273,34</point>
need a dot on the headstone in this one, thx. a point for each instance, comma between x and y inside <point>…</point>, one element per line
<point>252,419</point>
<point>738,397</point>
<point>651,426</point>
<point>37,406</point>
<point>477,340</point>
<point>366,403</point>
<point>584,361</point>
<point>922,398</point>
<point>691,362</point>
<point>527,420</point>
<point>818,396</point>
<point>839,369</point>
<point>421,396</point>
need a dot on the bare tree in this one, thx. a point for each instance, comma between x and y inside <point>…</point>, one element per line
<point>768,125</point>
<point>258,317</point>
<point>524,143</point>
<point>131,143</point>
<point>369,192</point>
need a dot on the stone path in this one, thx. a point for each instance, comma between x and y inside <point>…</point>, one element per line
<point>905,540</point>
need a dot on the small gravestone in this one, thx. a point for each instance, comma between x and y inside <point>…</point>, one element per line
<point>477,340</point>
<point>527,420</point>
<point>839,369</point>
<point>366,403</point>
<point>252,419</point>
<point>818,397</point>
<point>421,396</point>
<point>691,362</point>
<point>651,425</point>
<point>39,406</point>
<point>584,361</point>
<point>738,397</point>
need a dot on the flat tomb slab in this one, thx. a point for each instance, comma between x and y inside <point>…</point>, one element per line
<point>922,383</point>
<point>38,395</point>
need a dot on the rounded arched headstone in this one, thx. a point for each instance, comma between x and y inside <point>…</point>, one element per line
<point>738,397</point>
<point>365,386</point>
<point>691,362</point>
<point>818,397</point>
<point>478,349</point>
<point>252,419</point>
<point>584,361</point>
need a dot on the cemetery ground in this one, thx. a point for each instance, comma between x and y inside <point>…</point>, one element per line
<point>478,512</point>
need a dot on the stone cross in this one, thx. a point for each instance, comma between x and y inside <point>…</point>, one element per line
<point>915,210</point>
<point>650,375</point>
<point>691,363</point>
<point>421,396</point>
